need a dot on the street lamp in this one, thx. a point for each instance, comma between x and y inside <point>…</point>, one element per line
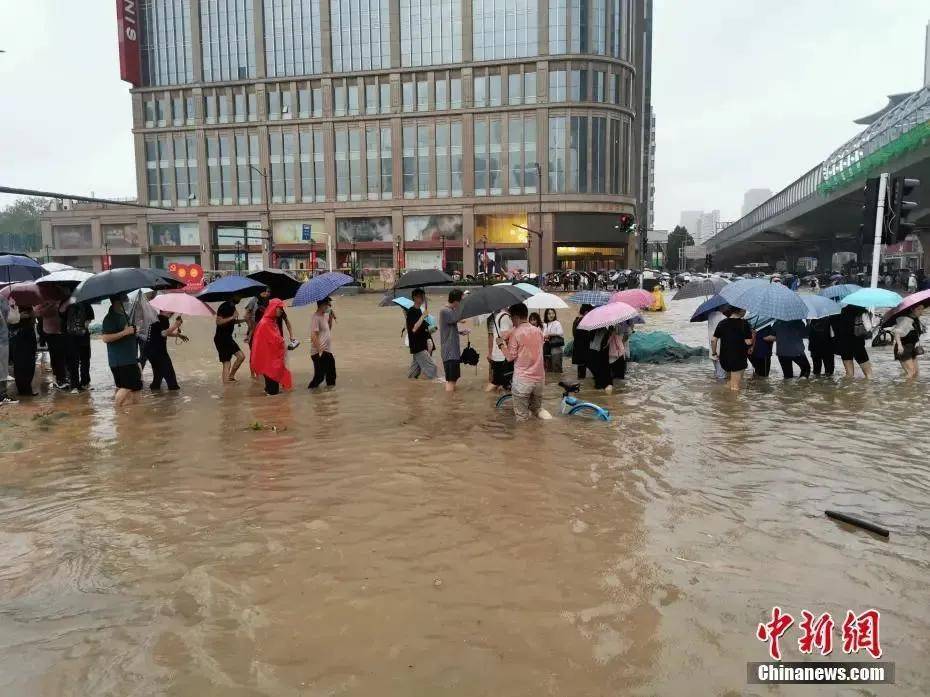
<point>270,233</point>
<point>442,262</point>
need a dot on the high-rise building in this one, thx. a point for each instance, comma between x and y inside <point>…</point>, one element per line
<point>754,198</point>
<point>691,221</point>
<point>700,224</point>
<point>406,133</point>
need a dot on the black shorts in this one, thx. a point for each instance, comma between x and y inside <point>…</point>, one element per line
<point>226,348</point>
<point>127,377</point>
<point>501,373</point>
<point>453,370</point>
<point>908,354</point>
<point>854,351</point>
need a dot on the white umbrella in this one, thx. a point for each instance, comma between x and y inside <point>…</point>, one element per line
<point>53,266</point>
<point>545,301</point>
<point>65,276</point>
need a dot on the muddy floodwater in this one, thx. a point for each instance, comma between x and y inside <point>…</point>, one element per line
<point>388,539</point>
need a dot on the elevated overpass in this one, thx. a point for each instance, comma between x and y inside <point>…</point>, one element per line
<point>820,212</point>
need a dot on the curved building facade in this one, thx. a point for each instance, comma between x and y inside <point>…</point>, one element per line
<point>391,133</point>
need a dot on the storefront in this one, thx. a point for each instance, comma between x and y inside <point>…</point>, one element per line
<point>121,236</point>
<point>364,244</point>
<point>300,245</point>
<point>72,237</point>
<point>500,244</point>
<point>237,246</point>
<point>433,242</point>
<point>590,242</point>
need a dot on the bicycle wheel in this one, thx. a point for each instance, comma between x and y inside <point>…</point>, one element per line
<point>502,399</point>
<point>588,409</point>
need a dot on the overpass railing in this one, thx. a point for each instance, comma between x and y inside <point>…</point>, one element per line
<point>803,188</point>
<point>904,128</point>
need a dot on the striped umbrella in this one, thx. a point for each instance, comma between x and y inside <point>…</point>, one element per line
<point>320,287</point>
<point>590,297</point>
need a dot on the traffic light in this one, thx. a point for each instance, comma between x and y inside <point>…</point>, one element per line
<point>708,261</point>
<point>869,211</point>
<point>900,208</point>
<point>626,222</point>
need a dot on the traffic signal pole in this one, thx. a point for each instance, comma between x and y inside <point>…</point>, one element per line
<point>879,223</point>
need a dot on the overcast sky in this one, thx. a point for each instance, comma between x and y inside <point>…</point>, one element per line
<point>747,93</point>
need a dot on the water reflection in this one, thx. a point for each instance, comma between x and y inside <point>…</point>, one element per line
<point>387,538</point>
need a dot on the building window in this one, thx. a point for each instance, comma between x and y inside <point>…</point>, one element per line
<point>219,167</point>
<point>599,27</point>
<point>361,35</point>
<point>558,26</point>
<point>282,151</point>
<point>514,88</point>
<point>521,138</point>
<point>423,151</point>
<point>557,154</point>
<point>385,88</point>
<point>292,37</point>
<point>557,86</point>
<point>422,94</point>
<point>409,161</point>
<point>578,10</point>
<point>304,102</point>
<point>274,104</point>
<point>408,91</point>
<point>159,165</point>
<point>190,112</point>
<point>185,170</point>
<point>578,85</point>
<point>352,87</point>
<point>253,105</point>
<point>209,107</point>
<point>599,86</point>
<point>312,170</point>
<point>529,87</point>
<point>165,42</point>
<point>480,90</point>
<point>223,110</point>
<point>443,163</point>
<point>342,164</point>
<point>578,155</point>
<point>227,40</point>
<point>494,90</point>
<point>441,85</point>
<point>372,151</point>
<point>371,96</point>
<point>250,185</point>
<point>455,91</point>
<point>287,102</point>
<point>598,154</point>
<point>177,110</point>
<point>387,164</point>
<point>240,105</point>
<point>504,28</point>
<point>488,157</point>
<point>621,31</point>
<point>148,109</point>
<point>430,32</point>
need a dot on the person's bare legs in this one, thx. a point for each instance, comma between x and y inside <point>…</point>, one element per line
<point>866,369</point>
<point>734,379</point>
<point>910,368</point>
<point>239,360</point>
<point>450,386</point>
<point>122,394</point>
<point>850,368</point>
<point>225,372</point>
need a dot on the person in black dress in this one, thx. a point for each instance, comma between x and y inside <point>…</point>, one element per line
<point>23,348</point>
<point>581,339</point>
<point>846,344</point>
<point>156,350</point>
<point>820,345</point>
<point>734,337</point>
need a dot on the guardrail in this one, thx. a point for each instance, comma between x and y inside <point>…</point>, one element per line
<point>803,188</point>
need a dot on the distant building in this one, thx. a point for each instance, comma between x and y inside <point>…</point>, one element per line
<point>754,198</point>
<point>691,221</point>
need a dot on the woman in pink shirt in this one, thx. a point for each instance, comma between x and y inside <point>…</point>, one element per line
<point>524,346</point>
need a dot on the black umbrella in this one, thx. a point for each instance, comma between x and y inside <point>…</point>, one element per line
<point>484,301</point>
<point>281,284</point>
<point>703,288</point>
<point>424,277</point>
<point>119,281</point>
<point>19,267</point>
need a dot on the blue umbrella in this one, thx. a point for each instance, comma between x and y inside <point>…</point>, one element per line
<point>770,300</point>
<point>407,303</point>
<point>839,292</point>
<point>734,291</point>
<point>16,267</point>
<point>872,297</point>
<point>706,307</point>
<point>820,307</point>
<point>590,297</point>
<point>228,286</point>
<point>320,287</point>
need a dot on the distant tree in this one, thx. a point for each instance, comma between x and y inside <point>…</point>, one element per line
<point>20,230</point>
<point>678,239</point>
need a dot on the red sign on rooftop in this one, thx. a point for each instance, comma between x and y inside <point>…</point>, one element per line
<point>127,20</point>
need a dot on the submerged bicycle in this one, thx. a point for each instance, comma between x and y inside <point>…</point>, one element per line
<point>570,406</point>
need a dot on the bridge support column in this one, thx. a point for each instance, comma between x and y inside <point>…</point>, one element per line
<point>825,257</point>
<point>924,237</point>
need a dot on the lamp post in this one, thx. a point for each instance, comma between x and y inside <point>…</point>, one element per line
<point>442,262</point>
<point>268,230</point>
<point>354,260</point>
<point>484,259</point>
<point>106,255</point>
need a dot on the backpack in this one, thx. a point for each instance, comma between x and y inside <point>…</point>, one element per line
<point>862,327</point>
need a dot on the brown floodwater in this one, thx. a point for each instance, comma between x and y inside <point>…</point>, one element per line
<point>386,538</point>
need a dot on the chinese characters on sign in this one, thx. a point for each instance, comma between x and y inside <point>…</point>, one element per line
<point>860,632</point>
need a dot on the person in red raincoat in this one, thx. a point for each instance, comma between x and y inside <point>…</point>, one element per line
<point>267,356</point>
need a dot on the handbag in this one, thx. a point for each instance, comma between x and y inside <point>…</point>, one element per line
<point>13,316</point>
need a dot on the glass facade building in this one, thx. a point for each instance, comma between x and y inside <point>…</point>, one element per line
<point>498,113</point>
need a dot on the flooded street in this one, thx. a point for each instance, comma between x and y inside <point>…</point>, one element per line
<point>386,538</point>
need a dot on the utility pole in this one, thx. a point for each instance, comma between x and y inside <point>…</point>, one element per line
<point>268,230</point>
<point>879,223</point>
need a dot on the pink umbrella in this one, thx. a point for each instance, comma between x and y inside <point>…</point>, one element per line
<point>910,301</point>
<point>608,315</point>
<point>182,304</point>
<point>634,297</point>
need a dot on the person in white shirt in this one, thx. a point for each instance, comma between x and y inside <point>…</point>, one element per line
<point>713,319</point>
<point>499,326</point>
<point>554,338</point>
<point>911,283</point>
<point>907,330</point>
